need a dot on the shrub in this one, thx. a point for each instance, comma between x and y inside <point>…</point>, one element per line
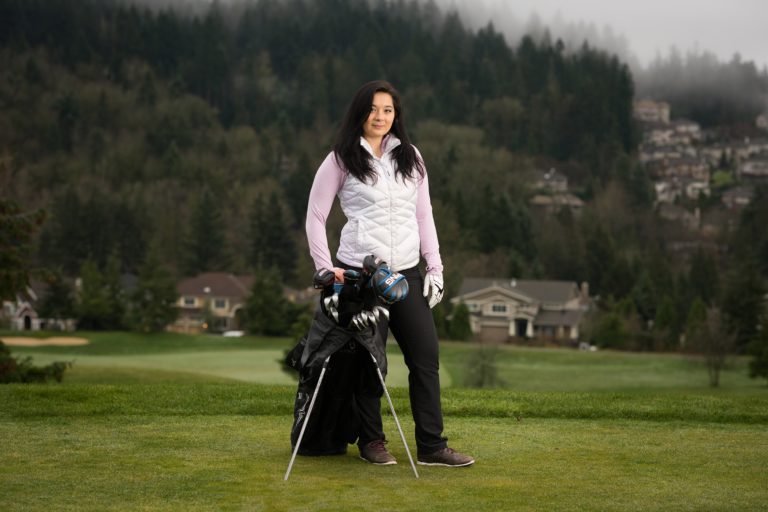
<point>22,370</point>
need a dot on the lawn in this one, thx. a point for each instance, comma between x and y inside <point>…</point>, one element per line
<point>571,431</point>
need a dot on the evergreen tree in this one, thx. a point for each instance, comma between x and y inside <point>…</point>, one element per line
<point>206,247</point>
<point>460,328</point>
<point>114,294</point>
<point>92,305</point>
<point>153,302</point>
<point>703,277</point>
<point>744,302</point>
<point>758,349</point>
<point>17,232</point>
<point>666,324</point>
<point>58,301</point>
<point>272,244</point>
<point>268,312</point>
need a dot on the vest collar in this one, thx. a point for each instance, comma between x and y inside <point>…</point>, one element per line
<point>389,143</point>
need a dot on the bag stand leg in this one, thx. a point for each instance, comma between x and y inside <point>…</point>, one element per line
<point>397,422</point>
<point>306,420</point>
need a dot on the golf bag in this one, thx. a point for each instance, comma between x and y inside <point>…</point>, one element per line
<point>344,327</point>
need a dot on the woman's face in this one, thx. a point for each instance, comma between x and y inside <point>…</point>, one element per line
<point>382,116</point>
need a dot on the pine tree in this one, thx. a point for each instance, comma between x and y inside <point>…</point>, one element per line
<point>272,244</point>
<point>206,247</point>
<point>153,303</point>
<point>92,305</point>
<point>17,232</point>
<point>268,312</point>
<point>460,328</point>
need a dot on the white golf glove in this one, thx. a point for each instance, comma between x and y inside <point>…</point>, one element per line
<point>433,289</point>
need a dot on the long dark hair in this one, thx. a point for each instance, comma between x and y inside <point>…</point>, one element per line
<point>353,157</point>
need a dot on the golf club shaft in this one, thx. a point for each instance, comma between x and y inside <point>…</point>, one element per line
<point>306,419</point>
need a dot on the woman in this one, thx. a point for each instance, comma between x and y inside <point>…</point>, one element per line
<point>382,186</point>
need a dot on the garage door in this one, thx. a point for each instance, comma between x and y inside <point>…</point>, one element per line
<point>494,333</point>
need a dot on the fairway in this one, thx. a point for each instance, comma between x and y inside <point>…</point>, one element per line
<point>168,422</point>
<point>256,366</point>
<point>225,447</point>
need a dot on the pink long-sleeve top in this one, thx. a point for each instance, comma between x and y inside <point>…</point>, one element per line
<point>332,181</point>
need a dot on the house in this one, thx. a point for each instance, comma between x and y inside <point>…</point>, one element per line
<point>556,202</point>
<point>22,314</point>
<point>215,301</point>
<point>551,180</point>
<point>216,297</point>
<point>504,310</point>
<point>651,111</point>
<point>737,197</point>
<point>754,170</point>
<point>761,122</point>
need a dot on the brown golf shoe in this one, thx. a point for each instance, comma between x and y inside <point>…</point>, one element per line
<point>376,453</point>
<point>446,457</point>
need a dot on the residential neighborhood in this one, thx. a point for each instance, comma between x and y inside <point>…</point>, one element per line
<point>682,159</point>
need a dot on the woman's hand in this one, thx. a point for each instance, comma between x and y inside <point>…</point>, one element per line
<point>339,272</point>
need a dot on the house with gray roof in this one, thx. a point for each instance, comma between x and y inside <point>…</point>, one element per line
<point>506,310</point>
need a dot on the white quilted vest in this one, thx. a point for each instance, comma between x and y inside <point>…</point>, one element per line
<point>381,216</point>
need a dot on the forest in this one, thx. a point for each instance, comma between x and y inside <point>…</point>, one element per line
<point>189,138</point>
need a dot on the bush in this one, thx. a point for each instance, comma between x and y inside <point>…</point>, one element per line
<point>22,370</point>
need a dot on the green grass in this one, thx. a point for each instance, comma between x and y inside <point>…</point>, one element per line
<point>225,447</point>
<point>180,423</point>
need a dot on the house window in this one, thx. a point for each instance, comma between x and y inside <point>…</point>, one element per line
<point>472,307</point>
<point>220,303</point>
<point>189,301</point>
<point>498,308</point>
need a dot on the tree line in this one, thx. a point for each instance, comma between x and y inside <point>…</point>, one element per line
<point>194,138</point>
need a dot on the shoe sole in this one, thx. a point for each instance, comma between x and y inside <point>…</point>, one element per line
<point>388,463</point>
<point>445,465</point>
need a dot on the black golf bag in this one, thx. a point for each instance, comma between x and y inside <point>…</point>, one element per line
<point>341,339</point>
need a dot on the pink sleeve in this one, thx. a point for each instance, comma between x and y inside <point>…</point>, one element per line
<point>328,181</point>
<point>430,248</point>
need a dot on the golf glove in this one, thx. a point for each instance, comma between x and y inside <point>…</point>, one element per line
<point>433,289</point>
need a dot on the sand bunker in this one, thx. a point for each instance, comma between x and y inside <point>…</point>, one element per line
<point>61,341</point>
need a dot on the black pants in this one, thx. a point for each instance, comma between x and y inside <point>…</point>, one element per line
<point>413,327</point>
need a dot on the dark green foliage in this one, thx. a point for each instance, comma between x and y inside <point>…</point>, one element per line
<point>58,300</point>
<point>271,240</point>
<point>153,302</point>
<point>666,325</point>
<point>459,327</point>
<point>440,319</point>
<point>206,245</point>
<point>93,228</point>
<point>17,233</point>
<point>13,369</point>
<point>101,299</point>
<point>744,302</point>
<point>268,312</point>
<point>758,349</point>
<point>703,277</point>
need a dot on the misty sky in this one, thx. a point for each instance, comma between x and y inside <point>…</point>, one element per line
<point>723,27</point>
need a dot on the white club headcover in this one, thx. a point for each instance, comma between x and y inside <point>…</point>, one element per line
<point>433,289</point>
